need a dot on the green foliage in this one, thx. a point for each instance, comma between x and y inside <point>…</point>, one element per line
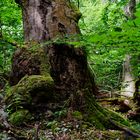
<point>101,16</point>
<point>61,113</point>
<point>77,115</point>
<point>136,125</point>
<point>6,51</point>
<point>10,20</point>
<point>112,16</point>
<point>19,117</point>
<point>107,51</point>
<point>10,31</point>
<point>107,47</point>
<point>53,125</point>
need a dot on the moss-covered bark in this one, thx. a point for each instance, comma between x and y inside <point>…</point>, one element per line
<point>69,69</point>
<point>28,61</point>
<point>100,117</point>
<point>71,76</point>
<point>29,91</point>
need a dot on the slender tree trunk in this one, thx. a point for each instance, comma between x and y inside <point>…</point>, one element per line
<point>137,92</point>
<point>128,83</point>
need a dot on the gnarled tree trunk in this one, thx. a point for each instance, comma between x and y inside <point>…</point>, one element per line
<point>45,20</point>
<point>48,19</point>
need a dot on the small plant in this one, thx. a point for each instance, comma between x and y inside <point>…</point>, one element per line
<point>60,114</point>
<point>77,115</point>
<point>53,125</point>
<point>136,125</point>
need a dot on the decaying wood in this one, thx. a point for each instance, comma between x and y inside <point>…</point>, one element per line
<point>46,20</point>
<point>69,69</point>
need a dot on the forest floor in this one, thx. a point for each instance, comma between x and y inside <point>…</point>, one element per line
<point>56,125</point>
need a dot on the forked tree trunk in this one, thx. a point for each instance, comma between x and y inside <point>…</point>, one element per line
<point>45,20</point>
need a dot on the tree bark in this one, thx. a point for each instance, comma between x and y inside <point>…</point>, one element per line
<point>45,20</point>
<point>48,19</point>
<point>137,92</point>
<point>130,9</point>
<point>69,69</point>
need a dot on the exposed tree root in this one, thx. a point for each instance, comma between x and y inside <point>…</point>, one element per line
<point>103,118</point>
<point>126,129</point>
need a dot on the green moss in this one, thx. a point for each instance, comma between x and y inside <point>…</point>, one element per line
<point>42,56</point>
<point>77,115</point>
<point>36,57</point>
<point>112,135</point>
<point>103,118</point>
<point>28,87</point>
<point>76,15</point>
<point>19,117</point>
<point>28,83</point>
<point>100,117</point>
